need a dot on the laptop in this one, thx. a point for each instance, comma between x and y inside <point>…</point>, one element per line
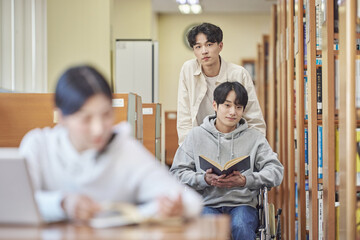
<point>17,202</point>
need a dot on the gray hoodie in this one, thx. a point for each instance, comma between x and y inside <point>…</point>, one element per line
<point>265,167</point>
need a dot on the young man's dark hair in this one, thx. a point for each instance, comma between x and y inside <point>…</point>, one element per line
<point>213,33</point>
<point>222,91</point>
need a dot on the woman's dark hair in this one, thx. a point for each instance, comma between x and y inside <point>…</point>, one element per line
<point>221,92</point>
<point>76,85</point>
<point>213,33</point>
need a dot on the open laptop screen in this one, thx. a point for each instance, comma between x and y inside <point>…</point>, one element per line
<point>17,203</point>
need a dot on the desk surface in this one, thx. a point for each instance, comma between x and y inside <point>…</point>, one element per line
<point>208,227</point>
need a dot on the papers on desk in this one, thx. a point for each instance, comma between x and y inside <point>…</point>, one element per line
<point>124,214</point>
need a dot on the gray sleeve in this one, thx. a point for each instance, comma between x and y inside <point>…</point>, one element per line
<point>270,170</point>
<point>184,168</point>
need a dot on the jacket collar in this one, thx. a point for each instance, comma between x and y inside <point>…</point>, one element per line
<point>222,73</point>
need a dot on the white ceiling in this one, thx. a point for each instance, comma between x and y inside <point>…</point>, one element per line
<point>217,6</point>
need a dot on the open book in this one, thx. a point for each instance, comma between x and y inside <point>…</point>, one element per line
<point>240,164</point>
<point>124,214</point>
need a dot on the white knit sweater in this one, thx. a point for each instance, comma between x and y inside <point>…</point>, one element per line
<point>124,172</point>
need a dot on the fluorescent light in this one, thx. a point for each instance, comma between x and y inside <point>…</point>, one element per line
<point>193,2</point>
<point>181,1</point>
<point>184,8</point>
<point>196,9</point>
<point>189,6</point>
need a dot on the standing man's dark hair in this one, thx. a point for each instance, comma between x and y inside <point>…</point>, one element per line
<point>222,91</point>
<point>214,33</point>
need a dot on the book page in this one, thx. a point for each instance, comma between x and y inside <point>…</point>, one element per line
<point>232,162</point>
<point>212,162</point>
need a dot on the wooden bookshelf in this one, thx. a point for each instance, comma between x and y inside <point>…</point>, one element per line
<point>290,7</point>
<point>328,123</point>
<point>347,119</point>
<point>285,112</point>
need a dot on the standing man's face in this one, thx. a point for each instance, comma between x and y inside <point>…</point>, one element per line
<point>207,53</point>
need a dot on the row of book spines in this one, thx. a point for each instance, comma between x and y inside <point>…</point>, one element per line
<point>318,93</point>
<point>319,152</point>
<point>319,86</point>
<point>320,203</point>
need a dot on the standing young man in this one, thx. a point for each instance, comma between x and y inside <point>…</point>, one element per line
<point>200,76</point>
<point>222,137</point>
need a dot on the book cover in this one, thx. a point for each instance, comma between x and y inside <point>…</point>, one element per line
<point>306,97</point>
<point>320,212</point>
<point>320,151</point>
<point>306,152</point>
<point>240,164</point>
<point>358,157</point>
<point>307,204</point>
<point>319,87</point>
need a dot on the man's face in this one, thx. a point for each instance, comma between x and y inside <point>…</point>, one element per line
<point>207,53</point>
<point>228,114</point>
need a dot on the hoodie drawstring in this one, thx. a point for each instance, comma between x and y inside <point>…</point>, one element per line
<point>218,150</point>
<point>232,146</point>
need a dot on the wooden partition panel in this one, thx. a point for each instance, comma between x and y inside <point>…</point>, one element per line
<point>21,112</point>
<point>128,107</point>
<point>171,137</point>
<point>152,128</point>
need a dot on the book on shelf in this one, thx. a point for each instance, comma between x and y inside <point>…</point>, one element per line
<point>320,151</point>
<point>337,81</point>
<point>319,89</point>
<point>357,83</point>
<point>240,164</point>
<point>305,41</point>
<point>336,17</point>
<point>320,212</point>
<point>306,148</point>
<point>296,200</point>
<point>318,22</point>
<point>358,157</point>
<point>307,204</point>
<point>125,214</point>
<point>306,98</point>
<point>337,161</point>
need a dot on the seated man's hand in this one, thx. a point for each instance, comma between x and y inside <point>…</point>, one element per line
<point>235,179</point>
<point>80,207</point>
<point>211,178</point>
<point>170,207</point>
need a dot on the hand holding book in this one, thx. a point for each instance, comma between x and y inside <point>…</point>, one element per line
<point>240,164</point>
<point>234,179</point>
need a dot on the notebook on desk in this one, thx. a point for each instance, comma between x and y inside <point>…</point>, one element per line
<point>17,202</point>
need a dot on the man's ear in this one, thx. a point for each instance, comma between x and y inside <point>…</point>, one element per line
<point>221,45</point>
<point>215,106</point>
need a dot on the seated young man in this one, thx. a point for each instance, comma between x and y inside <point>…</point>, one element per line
<point>223,137</point>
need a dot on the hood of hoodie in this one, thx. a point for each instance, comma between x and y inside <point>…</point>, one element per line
<point>209,126</point>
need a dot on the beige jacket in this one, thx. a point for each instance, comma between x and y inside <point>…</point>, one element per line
<point>192,89</point>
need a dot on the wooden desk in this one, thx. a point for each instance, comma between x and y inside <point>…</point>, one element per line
<point>209,228</point>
